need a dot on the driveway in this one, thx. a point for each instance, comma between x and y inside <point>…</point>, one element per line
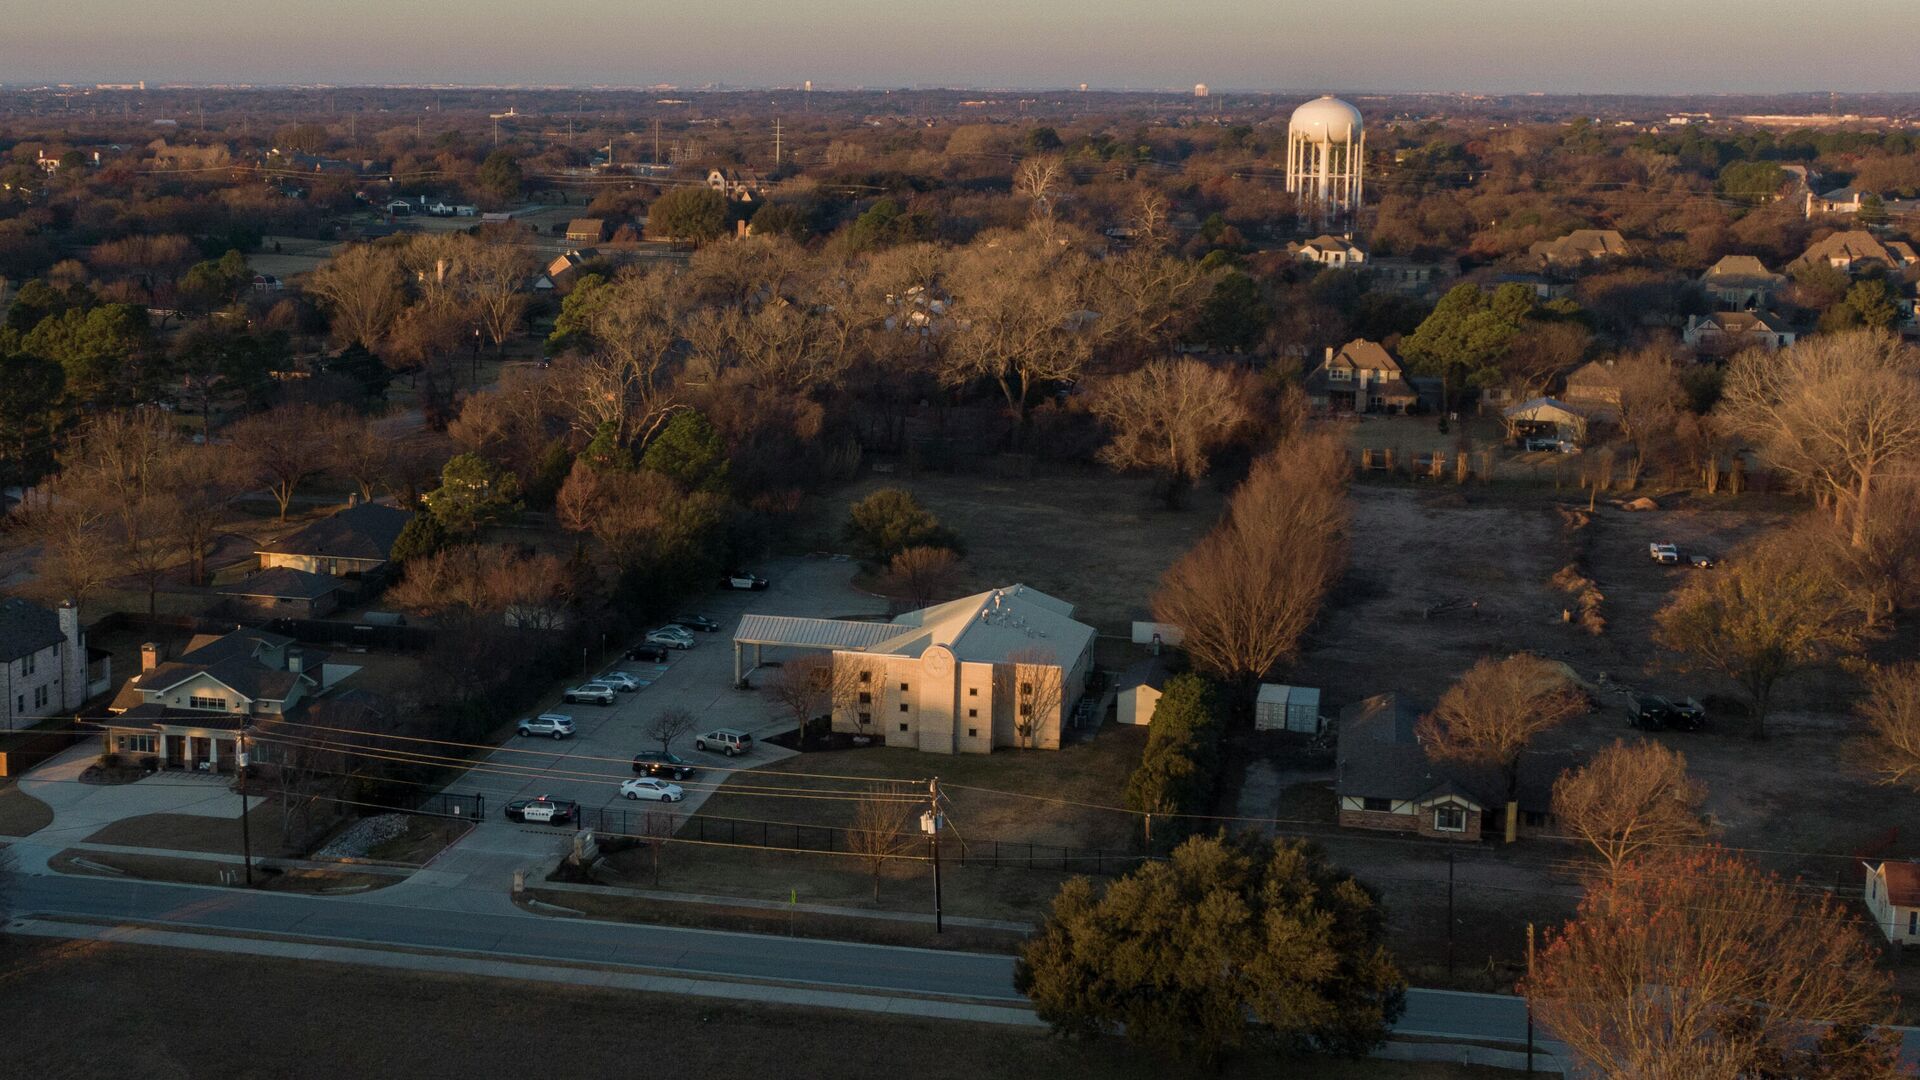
<point>80,810</point>
<point>590,767</point>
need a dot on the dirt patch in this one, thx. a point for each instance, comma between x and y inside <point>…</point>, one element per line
<point>1096,540</point>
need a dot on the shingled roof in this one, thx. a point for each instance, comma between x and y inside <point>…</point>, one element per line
<point>366,531</point>
<point>26,628</point>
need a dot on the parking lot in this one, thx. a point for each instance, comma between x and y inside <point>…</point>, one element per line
<point>590,766</point>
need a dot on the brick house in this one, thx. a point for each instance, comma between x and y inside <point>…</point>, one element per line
<point>356,543</point>
<point>1385,781</point>
<point>1579,248</point>
<point>1360,376</point>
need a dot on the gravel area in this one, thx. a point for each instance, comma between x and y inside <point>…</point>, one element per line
<point>362,836</point>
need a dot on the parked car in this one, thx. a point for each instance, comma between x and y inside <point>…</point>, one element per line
<point>1550,445</point>
<point>557,725</point>
<point>648,653</point>
<point>662,763</point>
<point>646,787</point>
<point>620,681</point>
<point>725,741</point>
<point>1664,553</point>
<point>1651,712</point>
<point>673,637</point>
<point>593,693</point>
<point>743,580</point>
<point>546,809</point>
<point>696,622</point>
<point>1700,562</point>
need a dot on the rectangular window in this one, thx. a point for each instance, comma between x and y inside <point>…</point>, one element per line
<point>973,733</point>
<point>903,688</point>
<point>1913,923</point>
<point>973,691</point>
<point>134,744</point>
<point>20,705</point>
<point>903,706</point>
<point>866,718</point>
<point>32,658</point>
<point>1384,806</point>
<point>1026,688</point>
<point>39,697</point>
<point>903,727</point>
<point>1026,708</point>
<point>866,698</point>
<point>194,701</point>
<point>971,713</point>
<point>1339,375</point>
<point>866,676</point>
<point>1449,819</point>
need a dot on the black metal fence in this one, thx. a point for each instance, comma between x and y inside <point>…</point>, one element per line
<point>469,805</point>
<point>645,823</point>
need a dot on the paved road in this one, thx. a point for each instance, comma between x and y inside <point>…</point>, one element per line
<point>839,965</point>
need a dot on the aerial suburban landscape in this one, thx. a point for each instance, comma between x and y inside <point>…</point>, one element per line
<point>876,550</point>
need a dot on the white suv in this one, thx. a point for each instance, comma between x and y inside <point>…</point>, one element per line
<point>558,725</point>
<point>725,741</point>
<point>593,693</point>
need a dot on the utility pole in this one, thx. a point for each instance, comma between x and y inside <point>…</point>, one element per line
<point>1529,1000</point>
<point>656,140</point>
<point>930,824</point>
<point>776,142</point>
<point>246,835</point>
<point>1449,914</point>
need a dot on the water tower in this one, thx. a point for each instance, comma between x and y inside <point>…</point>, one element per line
<point>1326,143</point>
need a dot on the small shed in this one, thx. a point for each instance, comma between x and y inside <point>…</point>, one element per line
<point>1287,708</point>
<point>1547,416</point>
<point>1140,688</point>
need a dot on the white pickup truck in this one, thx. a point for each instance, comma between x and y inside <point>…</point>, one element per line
<point>1664,553</point>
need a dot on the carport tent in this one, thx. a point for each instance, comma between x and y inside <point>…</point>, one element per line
<point>790,632</point>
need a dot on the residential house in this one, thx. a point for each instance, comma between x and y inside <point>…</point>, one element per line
<point>586,230</point>
<point>1579,248</point>
<point>1332,252</point>
<point>1360,376</point>
<point>355,543</point>
<point>738,185</point>
<point>1893,895</point>
<point>1410,277</point>
<point>1002,668</point>
<point>1844,200</point>
<point>283,591</point>
<point>46,668</point>
<point>186,713</point>
<point>564,268</point>
<point>1725,332</point>
<point>1856,251</point>
<point>1592,388</point>
<point>1384,780</point>
<point>1742,283</point>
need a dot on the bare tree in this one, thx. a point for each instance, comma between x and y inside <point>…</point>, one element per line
<point>363,289</point>
<point>1650,396</point>
<point>72,533</point>
<point>923,575</point>
<point>1033,680</point>
<point>804,688</point>
<point>494,282</point>
<point>362,455</point>
<point>1019,317</point>
<point>1040,180</point>
<point>284,448</point>
<point>1892,711</point>
<point>1630,798</point>
<point>1495,711</point>
<point>882,829</point>
<point>1834,411</point>
<point>199,481</point>
<point>670,724</point>
<point>1765,614</point>
<point>1700,965</point>
<point>1245,595</point>
<point>1169,417</point>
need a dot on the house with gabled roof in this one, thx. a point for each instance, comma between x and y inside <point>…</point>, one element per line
<point>283,592</point>
<point>1332,252</point>
<point>186,713</point>
<point>1857,251</point>
<point>1578,248</point>
<point>1742,283</point>
<point>1360,376</point>
<point>1731,331</point>
<point>1385,780</point>
<point>1892,894</point>
<point>356,542</point>
<point>46,667</point>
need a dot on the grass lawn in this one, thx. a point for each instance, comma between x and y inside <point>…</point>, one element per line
<point>1094,539</point>
<point>990,797</point>
<point>196,832</point>
<point>205,872</point>
<point>338,1020</point>
<point>21,814</point>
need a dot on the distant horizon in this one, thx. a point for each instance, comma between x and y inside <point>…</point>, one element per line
<point>1495,47</point>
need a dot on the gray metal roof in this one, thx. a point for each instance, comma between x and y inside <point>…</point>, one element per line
<point>811,633</point>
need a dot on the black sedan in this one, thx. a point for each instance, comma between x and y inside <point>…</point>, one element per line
<point>696,622</point>
<point>662,763</point>
<point>653,653</point>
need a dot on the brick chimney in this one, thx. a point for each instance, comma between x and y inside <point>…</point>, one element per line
<point>353,499</point>
<point>149,657</point>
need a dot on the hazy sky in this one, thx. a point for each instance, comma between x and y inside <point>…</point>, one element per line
<point>1647,46</point>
